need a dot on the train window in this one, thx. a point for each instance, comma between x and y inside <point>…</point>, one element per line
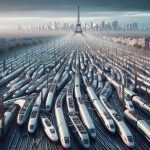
<point>32,126</point>
<point>131,106</point>
<point>81,100</point>
<point>21,117</point>
<point>112,126</point>
<point>52,131</point>
<point>47,122</point>
<point>130,139</point>
<point>33,114</point>
<point>92,130</point>
<point>86,141</point>
<point>117,117</point>
<point>47,107</point>
<point>107,115</point>
<point>66,139</point>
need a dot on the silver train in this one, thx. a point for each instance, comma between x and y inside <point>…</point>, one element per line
<point>122,128</point>
<point>9,116</point>
<point>138,122</point>
<point>24,112</point>
<point>138,101</point>
<point>48,128</point>
<point>33,120</point>
<point>69,97</point>
<point>50,97</point>
<point>11,76</point>
<point>60,119</point>
<point>82,107</point>
<point>79,130</point>
<point>103,114</point>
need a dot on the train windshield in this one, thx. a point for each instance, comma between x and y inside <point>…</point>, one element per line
<point>92,130</point>
<point>86,141</point>
<point>52,131</point>
<point>47,122</point>
<point>66,139</point>
<point>130,139</point>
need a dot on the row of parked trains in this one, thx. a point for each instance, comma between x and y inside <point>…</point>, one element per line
<point>131,99</point>
<point>84,128</point>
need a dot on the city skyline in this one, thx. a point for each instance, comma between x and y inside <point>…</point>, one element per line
<point>26,12</point>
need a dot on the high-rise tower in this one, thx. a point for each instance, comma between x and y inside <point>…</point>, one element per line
<point>78,25</point>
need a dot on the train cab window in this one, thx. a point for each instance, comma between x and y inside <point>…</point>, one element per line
<point>32,126</point>
<point>86,141</point>
<point>47,107</point>
<point>81,100</point>
<point>112,126</point>
<point>130,139</point>
<point>52,131</point>
<point>66,139</point>
<point>92,130</point>
<point>131,106</point>
<point>21,117</point>
<point>47,123</point>
<point>33,114</point>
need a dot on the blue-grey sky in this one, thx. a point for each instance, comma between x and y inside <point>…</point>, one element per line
<point>89,5</point>
<point>125,10</point>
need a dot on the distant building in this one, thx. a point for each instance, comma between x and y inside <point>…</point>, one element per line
<point>134,26</point>
<point>115,25</point>
<point>143,42</point>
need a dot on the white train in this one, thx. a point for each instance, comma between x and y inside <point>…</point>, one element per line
<point>86,118</point>
<point>79,130</point>
<point>50,97</point>
<point>9,115</point>
<point>11,76</point>
<point>21,91</point>
<point>138,101</point>
<point>122,128</point>
<point>138,122</point>
<point>34,85</point>
<point>33,120</point>
<point>24,112</point>
<point>63,80</point>
<point>69,97</point>
<point>60,119</point>
<point>48,128</point>
<point>100,84</point>
<point>103,114</point>
<point>107,90</point>
<point>95,80</point>
<point>14,88</point>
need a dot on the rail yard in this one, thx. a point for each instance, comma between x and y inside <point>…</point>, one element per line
<point>75,91</point>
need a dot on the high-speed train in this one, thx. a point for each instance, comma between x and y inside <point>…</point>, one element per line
<point>48,128</point>
<point>141,124</point>
<point>33,120</point>
<point>86,118</point>
<point>60,119</point>
<point>50,97</point>
<point>69,97</point>
<point>9,115</point>
<point>100,84</point>
<point>138,101</point>
<point>107,90</point>
<point>79,130</point>
<point>24,112</point>
<point>132,96</point>
<point>11,76</point>
<point>103,114</point>
<point>122,128</point>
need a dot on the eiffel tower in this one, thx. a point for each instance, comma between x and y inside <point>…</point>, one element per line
<point>78,25</point>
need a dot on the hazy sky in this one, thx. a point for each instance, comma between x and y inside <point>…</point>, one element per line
<point>12,11</point>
